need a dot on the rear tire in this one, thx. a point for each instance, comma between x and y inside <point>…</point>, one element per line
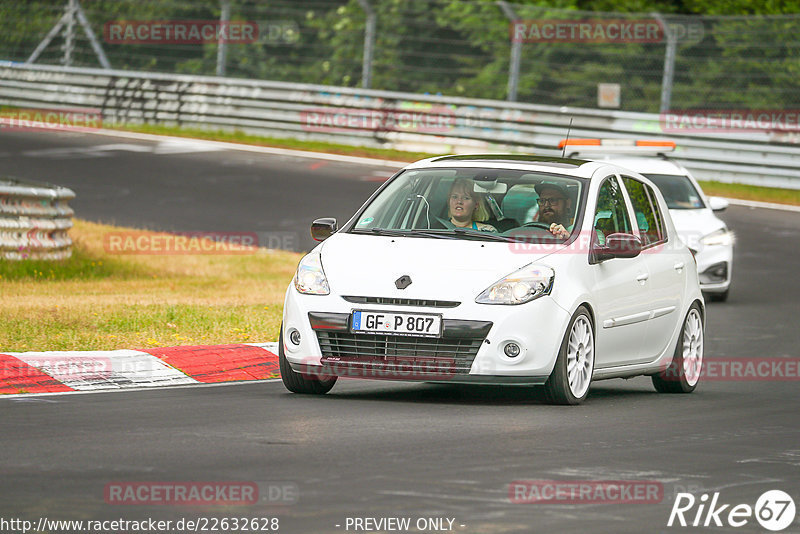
<point>298,382</point>
<point>683,373</point>
<point>569,382</point>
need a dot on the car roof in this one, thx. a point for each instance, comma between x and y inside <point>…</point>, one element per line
<point>644,165</point>
<point>524,162</point>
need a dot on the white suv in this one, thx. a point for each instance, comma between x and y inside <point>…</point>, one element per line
<point>692,212</point>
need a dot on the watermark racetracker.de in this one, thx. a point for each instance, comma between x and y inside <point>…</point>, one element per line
<point>587,31</point>
<point>423,119</point>
<point>184,32</point>
<point>600,30</point>
<point>69,367</point>
<point>750,369</point>
<point>585,491</point>
<point>71,119</point>
<point>380,367</point>
<point>207,493</point>
<point>190,243</point>
<point>197,32</point>
<point>730,120</point>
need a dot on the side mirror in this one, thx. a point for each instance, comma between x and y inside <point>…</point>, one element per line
<point>717,203</point>
<point>617,246</point>
<point>322,229</point>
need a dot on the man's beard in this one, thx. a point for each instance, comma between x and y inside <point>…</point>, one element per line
<point>548,217</point>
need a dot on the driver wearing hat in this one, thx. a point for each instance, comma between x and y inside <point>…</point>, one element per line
<point>554,205</point>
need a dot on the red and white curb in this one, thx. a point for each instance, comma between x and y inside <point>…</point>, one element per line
<point>58,372</point>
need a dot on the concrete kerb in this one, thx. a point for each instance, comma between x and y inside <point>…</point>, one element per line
<point>52,372</point>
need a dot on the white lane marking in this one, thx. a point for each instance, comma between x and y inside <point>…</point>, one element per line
<point>271,346</point>
<point>98,151</point>
<point>183,146</point>
<point>102,370</point>
<point>221,145</point>
<point>766,205</point>
<point>19,396</point>
<point>168,146</point>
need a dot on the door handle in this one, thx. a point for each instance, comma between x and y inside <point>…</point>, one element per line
<point>642,277</point>
<point>678,266</point>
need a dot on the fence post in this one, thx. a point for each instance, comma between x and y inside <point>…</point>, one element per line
<point>87,28</point>
<point>69,33</point>
<point>369,44</point>
<point>669,64</point>
<point>72,11</point>
<point>516,54</point>
<point>222,46</point>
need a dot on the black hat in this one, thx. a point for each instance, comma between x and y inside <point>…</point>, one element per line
<point>547,184</point>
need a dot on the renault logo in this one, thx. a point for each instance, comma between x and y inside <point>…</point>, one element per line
<point>403,282</point>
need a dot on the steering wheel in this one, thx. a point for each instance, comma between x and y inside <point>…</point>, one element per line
<point>536,224</point>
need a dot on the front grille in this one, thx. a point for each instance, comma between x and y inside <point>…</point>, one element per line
<point>427,303</point>
<point>421,355</point>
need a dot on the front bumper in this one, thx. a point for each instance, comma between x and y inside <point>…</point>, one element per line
<point>469,351</point>
<point>714,267</point>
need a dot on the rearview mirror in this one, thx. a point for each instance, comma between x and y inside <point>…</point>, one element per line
<point>616,246</point>
<point>490,187</point>
<point>322,229</point>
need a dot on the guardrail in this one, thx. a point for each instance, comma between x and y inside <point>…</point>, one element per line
<point>34,220</point>
<point>385,119</point>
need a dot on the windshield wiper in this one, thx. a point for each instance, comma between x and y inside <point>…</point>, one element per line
<point>403,233</point>
<point>469,232</point>
<point>454,233</point>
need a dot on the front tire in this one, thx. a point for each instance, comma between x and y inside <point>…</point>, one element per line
<point>298,382</point>
<point>568,384</point>
<point>683,373</point>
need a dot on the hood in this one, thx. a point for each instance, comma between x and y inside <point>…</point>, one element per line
<point>440,269</point>
<point>692,225</point>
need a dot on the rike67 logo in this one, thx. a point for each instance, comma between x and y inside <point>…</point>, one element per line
<point>774,510</point>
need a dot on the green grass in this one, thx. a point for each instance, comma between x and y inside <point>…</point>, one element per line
<point>81,266</point>
<point>97,300</point>
<point>752,192</point>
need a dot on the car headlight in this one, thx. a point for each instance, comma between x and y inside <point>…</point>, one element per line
<point>519,287</point>
<point>721,237</point>
<point>310,278</point>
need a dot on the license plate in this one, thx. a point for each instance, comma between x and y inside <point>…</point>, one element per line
<point>398,324</point>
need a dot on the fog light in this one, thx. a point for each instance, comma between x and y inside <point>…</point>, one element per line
<point>512,350</point>
<point>715,274</point>
<point>294,336</point>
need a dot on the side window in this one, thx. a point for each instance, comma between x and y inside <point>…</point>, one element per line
<point>648,215</point>
<point>659,216</point>
<point>611,216</point>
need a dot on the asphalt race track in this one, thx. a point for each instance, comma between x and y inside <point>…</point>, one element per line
<point>184,186</point>
<point>374,449</point>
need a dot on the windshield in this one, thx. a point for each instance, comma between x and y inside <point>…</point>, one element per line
<point>490,204</point>
<point>678,190</point>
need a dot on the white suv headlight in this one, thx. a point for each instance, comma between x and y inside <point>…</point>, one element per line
<point>519,287</point>
<point>720,237</point>
<point>310,278</point>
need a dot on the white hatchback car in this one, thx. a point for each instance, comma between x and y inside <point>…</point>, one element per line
<point>692,212</point>
<point>498,269</point>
